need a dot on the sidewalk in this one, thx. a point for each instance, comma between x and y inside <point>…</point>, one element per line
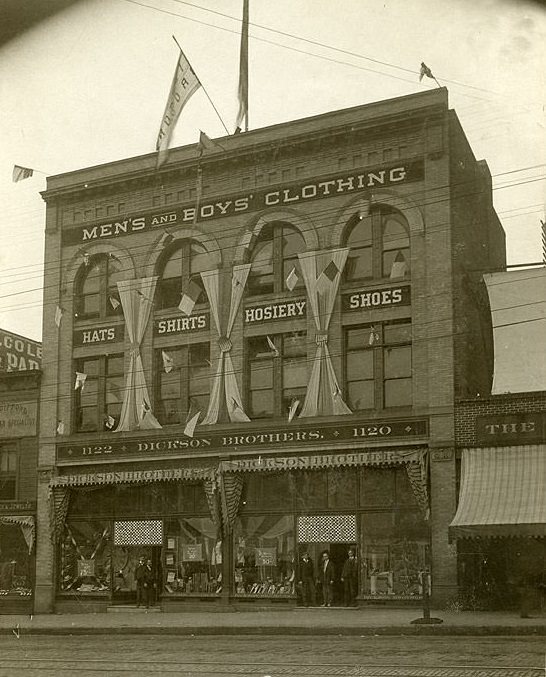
<point>335,621</point>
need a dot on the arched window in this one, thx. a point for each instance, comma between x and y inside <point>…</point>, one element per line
<point>182,266</point>
<point>274,256</point>
<point>379,245</point>
<point>97,293</point>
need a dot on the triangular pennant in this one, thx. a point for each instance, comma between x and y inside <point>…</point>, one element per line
<point>168,362</point>
<point>21,173</point>
<point>293,408</point>
<point>60,428</point>
<point>80,380</point>
<point>292,279</point>
<point>114,302</point>
<point>189,298</point>
<point>425,70</point>
<point>327,276</point>
<point>206,143</point>
<point>399,267</point>
<point>110,422</point>
<point>273,347</point>
<point>58,315</point>
<point>374,336</point>
<point>191,424</point>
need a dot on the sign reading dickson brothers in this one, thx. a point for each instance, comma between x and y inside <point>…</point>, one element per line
<point>289,194</point>
<point>293,435</point>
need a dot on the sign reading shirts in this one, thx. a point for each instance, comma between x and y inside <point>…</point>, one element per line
<point>292,193</point>
<point>377,298</point>
<point>181,325</point>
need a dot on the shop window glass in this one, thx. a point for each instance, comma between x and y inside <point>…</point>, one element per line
<point>268,491</point>
<point>342,487</point>
<point>183,391</point>
<point>404,492</point>
<point>8,472</point>
<point>86,501</point>
<point>264,559</point>
<point>359,368</point>
<point>102,394</point>
<point>311,490</point>
<point>359,241</point>
<point>97,293</point>
<point>181,265</point>
<point>85,557</point>
<point>16,570</point>
<point>273,256</point>
<point>192,557</point>
<point>261,387</point>
<point>376,486</point>
<point>395,246</point>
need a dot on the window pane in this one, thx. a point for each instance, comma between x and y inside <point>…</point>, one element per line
<point>292,241</point>
<point>173,266</point>
<point>360,337</point>
<point>359,263</point>
<point>199,380</point>
<point>376,487</point>
<point>360,365</point>
<point>294,345</point>
<point>361,395</point>
<point>361,233</point>
<point>170,385</point>
<point>89,367</point>
<point>261,403</point>
<point>114,365</point>
<point>395,235</point>
<point>261,374</point>
<point>294,373</point>
<point>91,284</point>
<point>397,362</point>
<point>288,265</point>
<point>397,333</point>
<point>398,393</point>
<point>200,259</point>
<point>261,274</point>
<point>397,255</point>
<point>115,386</point>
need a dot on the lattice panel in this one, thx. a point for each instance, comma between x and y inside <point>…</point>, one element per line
<point>138,532</point>
<point>327,529</point>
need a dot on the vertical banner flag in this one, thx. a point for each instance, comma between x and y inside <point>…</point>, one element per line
<point>243,72</point>
<point>185,83</point>
<point>21,173</point>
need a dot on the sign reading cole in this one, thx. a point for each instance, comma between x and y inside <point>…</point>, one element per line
<point>18,353</point>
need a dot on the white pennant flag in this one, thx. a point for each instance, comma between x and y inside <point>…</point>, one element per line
<point>58,316</point>
<point>60,428</point>
<point>80,380</point>
<point>293,408</point>
<point>190,425</point>
<point>110,422</point>
<point>291,279</point>
<point>168,362</point>
<point>273,347</point>
<point>374,336</point>
<point>114,302</point>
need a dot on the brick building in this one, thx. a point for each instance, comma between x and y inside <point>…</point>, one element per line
<point>20,364</point>
<point>255,352</point>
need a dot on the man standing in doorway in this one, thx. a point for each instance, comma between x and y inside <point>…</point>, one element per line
<point>150,584</point>
<point>349,578</point>
<point>140,578</point>
<point>307,580</point>
<point>326,577</point>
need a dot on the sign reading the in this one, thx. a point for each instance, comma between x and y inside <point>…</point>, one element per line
<point>18,353</point>
<point>17,419</point>
<point>377,298</point>
<point>275,311</point>
<point>293,435</point>
<point>181,325</point>
<point>328,186</point>
<point>522,428</point>
<point>87,337</point>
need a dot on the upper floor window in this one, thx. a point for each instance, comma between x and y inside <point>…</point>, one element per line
<point>8,473</point>
<point>97,292</point>
<point>181,267</point>
<point>378,369</point>
<point>379,245</point>
<point>184,389</point>
<point>98,403</point>
<point>277,374</point>
<point>273,257</point>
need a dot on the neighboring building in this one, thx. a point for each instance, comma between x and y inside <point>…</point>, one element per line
<point>309,292</point>
<point>19,399</point>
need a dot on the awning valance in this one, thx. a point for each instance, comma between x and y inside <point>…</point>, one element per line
<point>502,493</point>
<point>133,476</point>
<point>27,524</point>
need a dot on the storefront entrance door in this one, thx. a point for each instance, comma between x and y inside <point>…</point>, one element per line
<point>124,563</point>
<point>338,555</point>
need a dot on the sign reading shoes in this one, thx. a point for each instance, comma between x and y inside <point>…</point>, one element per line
<point>377,298</point>
<point>275,311</point>
<point>273,196</point>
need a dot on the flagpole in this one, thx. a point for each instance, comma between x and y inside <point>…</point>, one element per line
<point>203,87</point>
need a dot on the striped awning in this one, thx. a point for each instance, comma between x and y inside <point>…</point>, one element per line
<point>503,493</point>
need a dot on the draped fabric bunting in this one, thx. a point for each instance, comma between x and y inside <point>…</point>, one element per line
<point>225,373</point>
<point>59,501</point>
<point>418,477</point>
<point>231,488</point>
<point>321,271</point>
<point>28,527</point>
<point>137,300</point>
<point>211,493</point>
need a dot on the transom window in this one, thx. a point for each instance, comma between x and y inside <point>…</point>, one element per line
<point>180,267</point>
<point>98,404</point>
<point>379,245</point>
<point>273,257</point>
<point>8,472</point>
<point>277,374</point>
<point>97,292</point>
<point>378,366</point>
<point>183,382</point>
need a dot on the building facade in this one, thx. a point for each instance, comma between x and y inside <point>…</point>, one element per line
<point>255,352</point>
<point>20,372</point>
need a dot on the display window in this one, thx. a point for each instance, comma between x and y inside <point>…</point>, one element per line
<point>100,399</point>
<point>97,294</point>
<point>8,472</point>
<point>16,564</point>
<point>264,556</point>
<point>86,557</point>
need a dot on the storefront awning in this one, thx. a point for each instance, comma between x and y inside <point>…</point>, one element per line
<point>503,493</point>
<point>133,476</point>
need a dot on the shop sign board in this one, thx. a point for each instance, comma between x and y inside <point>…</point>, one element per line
<point>97,335</point>
<point>330,185</point>
<point>290,435</point>
<point>18,419</point>
<point>293,310</point>
<point>86,568</point>
<point>266,557</point>
<point>167,326</point>
<point>17,507</point>
<point>192,552</point>
<point>18,353</point>
<point>518,428</point>
<point>373,299</point>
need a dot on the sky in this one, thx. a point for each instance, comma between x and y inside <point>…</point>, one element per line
<point>89,85</point>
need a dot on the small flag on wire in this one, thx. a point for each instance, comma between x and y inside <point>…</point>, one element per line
<point>166,239</point>
<point>292,279</point>
<point>374,336</point>
<point>114,302</point>
<point>189,298</point>
<point>168,362</point>
<point>191,424</point>
<point>399,267</point>
<point>425,70</point>
<point>237,412</point>
<point>185,83</point>
<point>273,347</point>
<point>242,113</point>
<point>206,143</point>
<point>58,316</point>
<point>113,257</point>
<point>60,428</point>
<point>293,408</point>
<point>110,422</point>
<point>328,275</point>
<point>21,173</point>
<point>80,380</point>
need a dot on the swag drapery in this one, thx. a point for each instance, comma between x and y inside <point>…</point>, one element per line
<point>321,271</point>
<point>136,299</point>
<point>27,525</point>
<point>225,373</point>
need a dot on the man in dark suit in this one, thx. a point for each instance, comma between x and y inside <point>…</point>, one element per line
<point>349,578</point>
<point>140,578</point>
<point>326,577</point>
<point>150,584</point>
<point>307,580</point>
